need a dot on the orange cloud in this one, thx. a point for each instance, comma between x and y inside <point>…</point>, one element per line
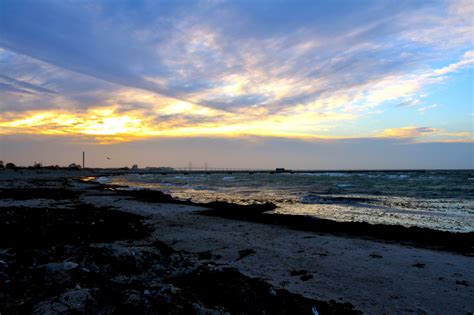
<point>427,134</point>
<point>407,132</point>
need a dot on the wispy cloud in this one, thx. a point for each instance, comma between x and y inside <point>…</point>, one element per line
<point>466,60</point>
<point>429,107</point>
<point>18,86</point>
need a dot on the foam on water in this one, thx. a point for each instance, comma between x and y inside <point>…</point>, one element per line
<point>344,185</point>
<point>103,180</point>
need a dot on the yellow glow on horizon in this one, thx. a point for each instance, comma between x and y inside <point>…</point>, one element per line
<point>109,124</point>
<point>31,121</point>
<point>95,122</point>
<point>183,119</point>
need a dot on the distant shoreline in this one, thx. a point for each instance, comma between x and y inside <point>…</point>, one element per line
<point>127,170</point>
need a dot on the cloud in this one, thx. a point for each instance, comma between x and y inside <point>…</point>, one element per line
<point>71,38</point>
<point>408,132</point>
<point>18,86</point>
<point>222,68</point>
<point>429,107</point>
<point>448,27</point>
<point>188,51</point>
<point>175,119</point>
<point>466,60</point>
<point>427,134</point>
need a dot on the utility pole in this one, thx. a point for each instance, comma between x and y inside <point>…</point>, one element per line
<point>83,159</point>
<point>205,166</point>
<point>190,166</point>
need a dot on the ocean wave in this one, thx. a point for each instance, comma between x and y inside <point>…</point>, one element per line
<point>328,174</point>
<point>343,185</point>
<point>318,199</point>
<point>103,180</point>
<point>371,176</point>
<point>146,176</point>
<point>431,177</point>
<point>397,176</point>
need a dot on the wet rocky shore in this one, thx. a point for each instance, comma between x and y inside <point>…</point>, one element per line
<point>59,255</point>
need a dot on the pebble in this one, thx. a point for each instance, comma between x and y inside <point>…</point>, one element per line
<point>70,265</point>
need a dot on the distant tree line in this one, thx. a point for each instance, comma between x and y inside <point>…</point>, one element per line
<point>36,165</point>
<point>7,165</point>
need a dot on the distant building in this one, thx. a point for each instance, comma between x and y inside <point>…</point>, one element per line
<point>280,170</point>
<point>134,167</point>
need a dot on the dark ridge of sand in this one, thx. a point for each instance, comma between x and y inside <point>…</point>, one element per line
<point>96,260</point>
<point>460,243</point>
<point>160,197</point>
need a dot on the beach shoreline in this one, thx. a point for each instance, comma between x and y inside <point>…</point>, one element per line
<point>457,242</point>
<point>371,276</point>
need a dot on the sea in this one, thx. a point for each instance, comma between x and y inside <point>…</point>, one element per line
<point>441,199</point>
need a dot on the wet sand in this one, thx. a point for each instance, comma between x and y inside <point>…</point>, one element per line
<point>194,251</point>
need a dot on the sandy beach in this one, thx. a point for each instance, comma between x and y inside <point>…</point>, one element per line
<point>310,271</point>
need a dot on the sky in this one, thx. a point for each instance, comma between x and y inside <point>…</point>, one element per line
<point>243,84</point>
